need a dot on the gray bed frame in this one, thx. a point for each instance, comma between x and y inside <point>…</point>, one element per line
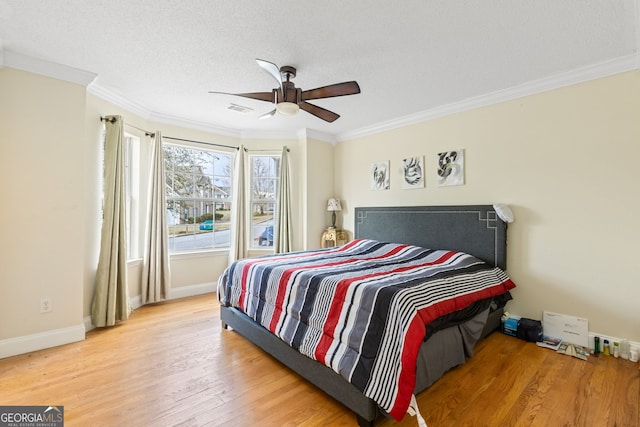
<point>472,229</point>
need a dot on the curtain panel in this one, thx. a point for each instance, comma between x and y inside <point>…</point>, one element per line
<point>239,208</point>
<point>156,272</point>
<point>283,239</point>
<point>111,297</point>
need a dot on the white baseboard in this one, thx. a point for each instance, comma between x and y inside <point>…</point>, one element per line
<point>88,324</point>
<point>192,290</point>
<point>592,335</point>
<point>174,293</point>
<point>41,340</point>
<point>56,337</point>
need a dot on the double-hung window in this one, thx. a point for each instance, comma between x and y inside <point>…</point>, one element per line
<point>265,178</point>
<point>132,193</point>
<point>198,195</point>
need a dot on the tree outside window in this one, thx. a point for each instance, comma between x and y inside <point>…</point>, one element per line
<point>198,194</point>
<point>265,173</point>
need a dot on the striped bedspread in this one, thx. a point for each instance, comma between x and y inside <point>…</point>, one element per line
<point>361,308</point>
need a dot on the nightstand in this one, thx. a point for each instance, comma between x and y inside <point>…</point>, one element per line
<point>333,237</point>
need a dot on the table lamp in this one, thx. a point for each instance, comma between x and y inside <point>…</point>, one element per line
<point>333,205</point>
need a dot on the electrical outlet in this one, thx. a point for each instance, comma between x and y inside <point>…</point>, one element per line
<point>46,305</point>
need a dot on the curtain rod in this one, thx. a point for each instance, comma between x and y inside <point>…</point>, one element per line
<point>152,134</point>
<point>113,119</point>
<point>200,142</point>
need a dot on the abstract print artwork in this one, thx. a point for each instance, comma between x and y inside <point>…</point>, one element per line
<point>413,172</point>
<point>451,168</point>
<point>380,175</point>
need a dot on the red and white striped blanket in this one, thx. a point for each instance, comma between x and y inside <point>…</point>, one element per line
<point>361,308</point>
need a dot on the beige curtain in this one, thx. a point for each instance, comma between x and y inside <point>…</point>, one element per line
<point>239,209</point>
<point>283,239</point>
<point>156,274</point>
<point>111,298</point>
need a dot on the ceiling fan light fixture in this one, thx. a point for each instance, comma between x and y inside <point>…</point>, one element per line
<point>288,108</point>
<point>289,99</point>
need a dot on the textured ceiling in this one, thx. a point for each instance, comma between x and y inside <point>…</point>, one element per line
<point>409,57</point>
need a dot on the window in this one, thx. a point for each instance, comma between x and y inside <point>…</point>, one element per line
<point>265,177</point>
<point>132,193</point>
<point>198,194</point>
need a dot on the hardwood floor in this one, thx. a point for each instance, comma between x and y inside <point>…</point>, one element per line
<point>171,364</point>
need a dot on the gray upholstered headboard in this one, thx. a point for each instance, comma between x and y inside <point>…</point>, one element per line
<point>476,229</point>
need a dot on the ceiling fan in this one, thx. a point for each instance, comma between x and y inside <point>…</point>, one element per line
<point>289,99</point>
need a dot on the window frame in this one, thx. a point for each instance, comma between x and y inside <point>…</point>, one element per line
<point>132,194</point>
<point>197,206</point>
<point>256,233</point>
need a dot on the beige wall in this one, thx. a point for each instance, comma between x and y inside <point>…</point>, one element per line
<point>41,191</point>
<point>318,188</point>
<point>567,163</point>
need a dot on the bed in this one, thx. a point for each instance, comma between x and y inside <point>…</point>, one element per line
<point>384,234</point>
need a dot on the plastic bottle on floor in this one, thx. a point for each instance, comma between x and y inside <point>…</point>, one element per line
<point>625,349</point>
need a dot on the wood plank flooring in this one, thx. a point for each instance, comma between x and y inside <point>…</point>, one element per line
<point>171,364</point>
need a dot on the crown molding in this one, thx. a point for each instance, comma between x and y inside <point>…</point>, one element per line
<point>121,101</point>
<point>73,75</point>
<point>592,72</point>
<point>118,100</point>
<point>304,134</point>
<point>193,124</point>
<point>115,98</point>
<point>45,68</point>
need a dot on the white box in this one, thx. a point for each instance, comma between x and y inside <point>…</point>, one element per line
<point>571,329</point>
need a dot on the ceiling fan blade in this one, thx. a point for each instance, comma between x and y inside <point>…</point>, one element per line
<point>338,89</point>
<point>268,115</point>
<point>324,114</point>
<point>272,69</point>
<point>262,96</point>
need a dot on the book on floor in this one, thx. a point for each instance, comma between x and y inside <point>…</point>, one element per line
<point>550,342</point>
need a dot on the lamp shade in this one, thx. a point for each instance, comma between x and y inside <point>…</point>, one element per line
<point>334,205</point>
<point>287,108</point>
<point>504,212</point>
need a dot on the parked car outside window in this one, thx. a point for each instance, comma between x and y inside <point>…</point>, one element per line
<point>266,238</point>
<point>207,225</point>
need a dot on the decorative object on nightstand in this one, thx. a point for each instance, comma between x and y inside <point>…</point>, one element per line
<point>333,205</point>
<point>333,237</point>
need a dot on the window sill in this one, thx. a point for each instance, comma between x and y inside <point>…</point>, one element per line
<point>262,250</point>
<point>134,262</point>
<point>200,254</point>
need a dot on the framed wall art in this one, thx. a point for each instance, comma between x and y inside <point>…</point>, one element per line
<point>451,168</point>
<point>413,172</point>
<point>380,175</point>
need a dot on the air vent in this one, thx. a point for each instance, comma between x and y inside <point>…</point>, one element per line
<point>240,108</point>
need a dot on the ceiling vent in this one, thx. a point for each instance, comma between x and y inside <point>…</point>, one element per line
<point>240,108</point>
